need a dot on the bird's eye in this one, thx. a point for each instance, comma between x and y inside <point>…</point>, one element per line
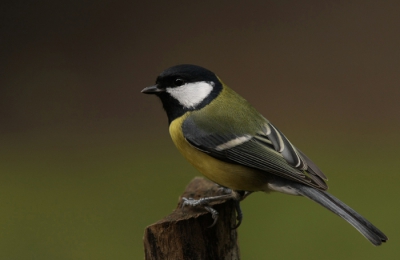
<point>179,82</point>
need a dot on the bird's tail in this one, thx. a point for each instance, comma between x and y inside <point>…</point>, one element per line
<point>325,199</point>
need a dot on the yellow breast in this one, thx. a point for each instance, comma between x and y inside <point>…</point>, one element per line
<point>233,176</point>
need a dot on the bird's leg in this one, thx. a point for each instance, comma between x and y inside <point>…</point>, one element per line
<point>224,189</point>
<point>239,214</point>
<point>237,196</point>
<point>241,196</point>
<point>245,194</point>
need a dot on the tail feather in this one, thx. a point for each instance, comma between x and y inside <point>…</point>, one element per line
<point>369,231</point>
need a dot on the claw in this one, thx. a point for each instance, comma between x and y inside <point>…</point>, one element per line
<point>214,215</point>
<point>204,202</point>
<point>187,201</point>
<point>239,214</point>
<point>241,196</point>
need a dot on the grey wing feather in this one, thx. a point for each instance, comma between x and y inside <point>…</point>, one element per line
<point>295,157</point>
<point>311,165</point>
<point>268,150</point>
<point>282,145</point>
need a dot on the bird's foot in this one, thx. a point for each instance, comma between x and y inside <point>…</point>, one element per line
<point>237,196</point>
<point>205,203</point>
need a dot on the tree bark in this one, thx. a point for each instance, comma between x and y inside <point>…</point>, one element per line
<point>185,233</point>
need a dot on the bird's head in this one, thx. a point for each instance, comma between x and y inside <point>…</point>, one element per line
<point>184,88</point>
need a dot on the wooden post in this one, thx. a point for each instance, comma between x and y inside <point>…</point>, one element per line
<point>184,234</point>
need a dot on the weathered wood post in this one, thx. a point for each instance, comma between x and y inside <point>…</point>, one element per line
<point>184,234</point>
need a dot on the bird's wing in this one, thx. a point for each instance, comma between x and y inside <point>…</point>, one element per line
<point>267,149</point>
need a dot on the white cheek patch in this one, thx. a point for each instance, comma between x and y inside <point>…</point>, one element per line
<point>191,94</point>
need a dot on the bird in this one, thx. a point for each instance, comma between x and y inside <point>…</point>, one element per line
<point>224,137</point>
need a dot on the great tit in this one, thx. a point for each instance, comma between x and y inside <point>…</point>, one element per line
<point>233,145</point>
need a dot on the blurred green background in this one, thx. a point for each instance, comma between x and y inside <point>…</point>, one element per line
<point>86,161</point>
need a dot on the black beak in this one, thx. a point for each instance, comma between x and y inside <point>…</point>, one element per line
<point>152,90</point>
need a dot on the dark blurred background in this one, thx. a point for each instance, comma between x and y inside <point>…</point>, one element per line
<point>86,161</point>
